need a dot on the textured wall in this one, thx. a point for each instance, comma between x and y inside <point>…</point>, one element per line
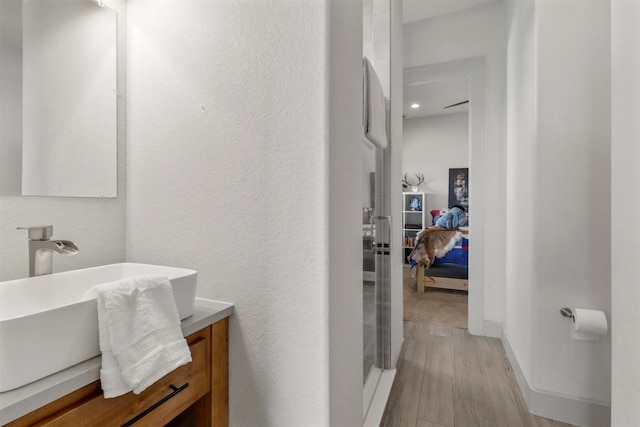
<point>559,185</point>
<point>230,148</point>
<point>625,197</point>
<point>96,226</point>
<point>572,186</point>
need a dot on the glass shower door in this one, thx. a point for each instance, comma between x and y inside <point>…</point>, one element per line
<point>376,269</point>
<point>369,258</point>
<point>376,199</point>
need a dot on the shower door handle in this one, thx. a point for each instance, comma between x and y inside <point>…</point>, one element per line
<point>383,298</point>
<point>384,248</point>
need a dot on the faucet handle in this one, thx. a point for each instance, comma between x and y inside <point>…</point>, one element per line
<point>42,232</point>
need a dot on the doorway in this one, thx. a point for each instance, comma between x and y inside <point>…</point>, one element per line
<point>449,75</point>
<point>436,152</point>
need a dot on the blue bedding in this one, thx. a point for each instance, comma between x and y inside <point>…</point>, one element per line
<point>458,255</point>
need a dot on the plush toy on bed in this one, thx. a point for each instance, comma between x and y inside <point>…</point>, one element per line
<point>454,218</point>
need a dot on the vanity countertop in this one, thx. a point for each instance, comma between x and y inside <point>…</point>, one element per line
<point>21,401</point>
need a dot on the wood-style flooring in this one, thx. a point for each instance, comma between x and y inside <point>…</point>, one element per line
<point>434,306</point>
<point>448,378</point>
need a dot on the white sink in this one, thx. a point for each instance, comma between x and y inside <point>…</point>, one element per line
<point>46,327</point>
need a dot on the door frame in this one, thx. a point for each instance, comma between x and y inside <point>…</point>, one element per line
<point>472,70</point>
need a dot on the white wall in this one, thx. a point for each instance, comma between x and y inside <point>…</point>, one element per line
<point>96,226</point>
<point>244,128</point>
<point>433,145</point>
<point>625,200</point>
<point>559,184</point>
<point>573,145</point>
<point>476,32</point>
<point>521,160</point>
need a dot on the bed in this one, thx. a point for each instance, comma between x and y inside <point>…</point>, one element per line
<point>448,272</point>
<point>441,257</point>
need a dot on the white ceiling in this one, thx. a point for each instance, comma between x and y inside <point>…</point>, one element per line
<point>433,97</point>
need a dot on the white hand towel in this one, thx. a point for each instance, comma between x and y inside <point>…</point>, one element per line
<point>374,108</point>
<point>111,380</point>
<point>140,336</point>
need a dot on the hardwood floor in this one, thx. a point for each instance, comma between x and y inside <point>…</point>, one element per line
<point>448,378</point>
<point>433,306</point>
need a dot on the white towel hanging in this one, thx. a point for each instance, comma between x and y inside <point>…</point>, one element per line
<point>374,107</point>
<point>140,336</point>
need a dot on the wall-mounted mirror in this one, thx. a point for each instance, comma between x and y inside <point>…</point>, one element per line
<point>59,98</point>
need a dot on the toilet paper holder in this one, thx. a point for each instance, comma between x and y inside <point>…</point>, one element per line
<point>567,312</point>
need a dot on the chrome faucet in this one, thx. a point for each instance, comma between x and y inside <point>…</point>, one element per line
<point>41,249</point>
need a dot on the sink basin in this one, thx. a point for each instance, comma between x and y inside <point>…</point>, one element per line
<point>45,326</point>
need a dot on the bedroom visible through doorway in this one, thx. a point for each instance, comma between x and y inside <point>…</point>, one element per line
<point>438,185</point>
<point>436,151</point>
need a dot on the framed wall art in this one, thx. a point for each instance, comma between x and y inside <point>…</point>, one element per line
<point>459,187</point>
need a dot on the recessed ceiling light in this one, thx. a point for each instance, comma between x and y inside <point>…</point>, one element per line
<point>415,105</point>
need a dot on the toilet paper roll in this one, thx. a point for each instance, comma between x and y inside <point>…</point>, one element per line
<point>589,325</point>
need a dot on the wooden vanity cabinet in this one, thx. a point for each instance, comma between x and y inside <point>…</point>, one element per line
<point>200,387</point>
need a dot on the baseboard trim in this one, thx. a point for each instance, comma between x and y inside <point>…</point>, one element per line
<point>563,408</point>
<point>492,329</point>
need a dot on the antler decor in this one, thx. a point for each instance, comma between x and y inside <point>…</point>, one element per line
<point>414,187</point>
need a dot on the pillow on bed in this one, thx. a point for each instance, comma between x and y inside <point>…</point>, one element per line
<point>435,214</point>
